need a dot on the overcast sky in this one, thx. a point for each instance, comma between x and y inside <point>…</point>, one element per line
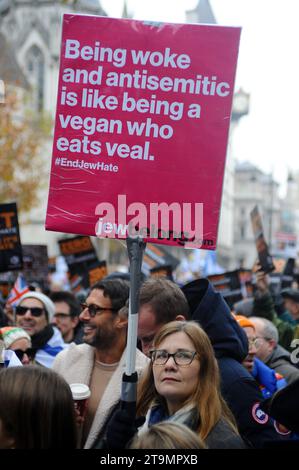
<point>268,68</point>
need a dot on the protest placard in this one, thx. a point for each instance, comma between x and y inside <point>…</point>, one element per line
<point>264,256</point>
<point>162,271</point>
<point>84,267</point>
<point>157,257</point>
<point>285,245</point>
<point>229,285</point>
<point>142,121</point>
<point>4,290</point>
<point>288,274</point>
<point>10,244</point>
<point>36,268</point>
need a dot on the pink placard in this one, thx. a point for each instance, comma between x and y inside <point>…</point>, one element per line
<point>141,131</point>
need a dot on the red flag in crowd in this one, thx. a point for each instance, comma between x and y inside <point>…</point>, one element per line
<point>20,288</point>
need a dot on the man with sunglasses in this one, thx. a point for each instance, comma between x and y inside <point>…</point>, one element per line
<point>100,362</point>
<point>34,313</point>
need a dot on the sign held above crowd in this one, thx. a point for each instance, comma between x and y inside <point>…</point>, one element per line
<point>11,257</point>
<point>264,256</point>
<point>142,121</point>
<point>84,267</point>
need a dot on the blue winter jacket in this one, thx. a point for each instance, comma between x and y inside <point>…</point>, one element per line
<point>269,382</point>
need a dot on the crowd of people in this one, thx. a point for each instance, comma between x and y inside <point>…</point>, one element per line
<point>209,376</point>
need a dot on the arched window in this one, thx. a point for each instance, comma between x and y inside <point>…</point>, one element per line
<point>35,65</point>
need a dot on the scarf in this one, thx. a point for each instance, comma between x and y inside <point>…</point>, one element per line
<point>187,415</point>
<point>46,345</point>
<point>40,339</point>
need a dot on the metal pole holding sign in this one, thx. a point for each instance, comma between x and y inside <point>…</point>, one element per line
<point>135,247</point>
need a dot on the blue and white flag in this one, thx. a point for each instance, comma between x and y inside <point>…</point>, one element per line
<point>47,354</point>
<point>11,359</point>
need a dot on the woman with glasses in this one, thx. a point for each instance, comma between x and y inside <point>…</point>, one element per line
<point>182,385</point>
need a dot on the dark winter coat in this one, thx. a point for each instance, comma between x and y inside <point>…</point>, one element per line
<point>230,344</point>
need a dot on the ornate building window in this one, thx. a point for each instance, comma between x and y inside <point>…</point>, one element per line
<point>35,65</point>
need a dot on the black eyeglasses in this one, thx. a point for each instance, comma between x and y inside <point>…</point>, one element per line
<point>94,309</point>
<point>20,353</point>
<point>182,357</point>
<point>35,311</point>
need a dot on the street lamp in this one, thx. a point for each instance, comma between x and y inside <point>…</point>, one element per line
<point>240,104</point>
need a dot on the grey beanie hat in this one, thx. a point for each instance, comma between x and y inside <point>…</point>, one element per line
<point>44,299</point>
<point>244,307</point>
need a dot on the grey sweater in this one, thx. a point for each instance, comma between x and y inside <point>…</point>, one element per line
<point>280,361</point>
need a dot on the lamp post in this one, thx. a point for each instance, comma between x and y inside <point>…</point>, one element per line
<point>240,104</point>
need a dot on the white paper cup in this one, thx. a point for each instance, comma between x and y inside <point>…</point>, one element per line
<point>81,394</point>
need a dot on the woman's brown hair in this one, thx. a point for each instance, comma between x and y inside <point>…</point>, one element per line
<point>36,408</point>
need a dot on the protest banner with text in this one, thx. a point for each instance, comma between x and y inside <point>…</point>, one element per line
<point>84,267</point>
<point>142,122</point>
<point>36,269</point>
<point>10,244</point>
<point>265,258</point>
<point>157,257</point>
<point>229,285</point>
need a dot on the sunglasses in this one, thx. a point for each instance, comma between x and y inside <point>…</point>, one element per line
<point>94,309</point>
<point>20,353</point>
<point>35,311</point>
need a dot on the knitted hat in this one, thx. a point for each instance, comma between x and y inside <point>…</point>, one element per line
<point>44,299</point>
<point>10,334</point>
<point>244,322</point>
<point>244,307</point>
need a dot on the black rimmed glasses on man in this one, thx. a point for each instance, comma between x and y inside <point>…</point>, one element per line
<point>93,309</point>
